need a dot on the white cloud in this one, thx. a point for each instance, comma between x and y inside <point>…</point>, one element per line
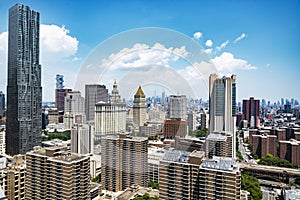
<point>242,36</point>
<point>268,65</point>
<point>207,51</point>
<point>197,35</point>
<point>56,43</point>
<point>227,63</point>
<point>3,48</point>
<point>209,43</point>
<point>222,46</point>
<point>141,55</point>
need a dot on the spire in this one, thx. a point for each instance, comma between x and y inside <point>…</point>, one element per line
<point>139,91</point>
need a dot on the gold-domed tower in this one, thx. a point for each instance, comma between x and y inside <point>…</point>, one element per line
<point>139,108</point>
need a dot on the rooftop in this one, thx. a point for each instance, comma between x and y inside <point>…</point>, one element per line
<point>219,163</point>
<point>176,156</point>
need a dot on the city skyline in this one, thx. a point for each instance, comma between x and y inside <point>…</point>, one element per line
<point>259,44</point>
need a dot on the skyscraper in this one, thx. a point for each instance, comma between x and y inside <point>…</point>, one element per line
<point>93,94</point>
<point>251,111</point>
<point>110,118</point>
<point>2,103</point>
<point>139,108</point>
<point>59,81</point>
<point>178,107</point>
<point>222,106</point>
<point>74,109</point>
<point>82,139</point>
<point>24,91</point>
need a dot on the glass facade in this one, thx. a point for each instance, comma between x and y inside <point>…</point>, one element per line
<point>24,91</point>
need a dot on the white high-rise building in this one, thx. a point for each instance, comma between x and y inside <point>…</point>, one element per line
<point>2,141</point>
<point>82,139</point>
<point>74,109</point>
<point>222,106</point>
<point>139,108</point>
<point>110,118</point>
<point>178,107</point>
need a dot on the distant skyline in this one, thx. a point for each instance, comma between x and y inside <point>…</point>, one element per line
<point>256,40</point>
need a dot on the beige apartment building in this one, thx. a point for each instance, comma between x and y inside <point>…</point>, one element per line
<point>55,173</point>
<point>124,162</point>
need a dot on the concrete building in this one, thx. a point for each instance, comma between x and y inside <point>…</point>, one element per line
<point>174,128</point>
<point>2,103</point>
<point>204,120</point>
<point>82,139</point>
<point>13,176</point>
<point>290,150</point>
<point>155,155</point>
<point>218,144</point>
<point>74,109</point>
<point>110,118</point>
<point>251,109</point>
<point>191,121</point>
<point>55,173</point>
<point>178,107</point>
<point>24,90</point>
<point>93,94</point>
<point>139,108</point>
<point>178,176</point>
<point>124,162</point>
<point>53,116</point>
<point>2,141</point>
<point>219,178</point>
<point>60,95</point>
<point>263,144</point>
<point>222,106</point>
<point>292,194</point>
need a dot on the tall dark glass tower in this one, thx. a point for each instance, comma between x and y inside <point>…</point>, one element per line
<point>24,91</point>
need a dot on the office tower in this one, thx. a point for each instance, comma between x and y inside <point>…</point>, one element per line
<point>178,175</point>
<point>74,109</point>
<point>93,94</point>
<point>191,120</point>
<point>55,173</point>
<point>123,162</point>
<point>2,103</point>
<point>251,112</point>
<point>53,116</point>
<point>174,128</point>
<point>82,139</point>
<point>219,178</point>
<point>178,107</point>
<point>218,144</point>
<point>59,81</point>
<point>60,95</point>
<point>163,97</point>
<point>222,106</point>
<point>2,142</point>
<point>24,91</point>
<point>139,108</point>
<point>110,118</point>
<point>13,177</point>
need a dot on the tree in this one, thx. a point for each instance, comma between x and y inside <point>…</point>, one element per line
<point>146,196</point>
<point>153,185</point>
<point>201,133</point>
<point>96,179</point>
<point>269,159</point>
<point>251,184</point>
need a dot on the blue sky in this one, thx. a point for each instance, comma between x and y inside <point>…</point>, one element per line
<point>266,58</point>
